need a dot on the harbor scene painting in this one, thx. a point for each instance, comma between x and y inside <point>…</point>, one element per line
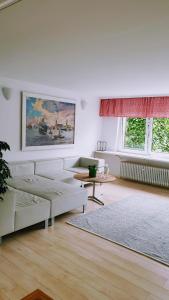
<point>46,122</point>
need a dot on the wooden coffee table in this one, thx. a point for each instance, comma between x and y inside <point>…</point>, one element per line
<point>101,178</point>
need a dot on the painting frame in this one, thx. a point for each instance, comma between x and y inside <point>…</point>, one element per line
<point>53,141</point>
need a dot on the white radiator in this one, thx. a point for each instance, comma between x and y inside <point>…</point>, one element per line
<point>144,173</point>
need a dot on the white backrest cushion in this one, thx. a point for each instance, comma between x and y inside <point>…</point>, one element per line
<point>50,165</point>
<point>23,168</point>
<point>70,162</point>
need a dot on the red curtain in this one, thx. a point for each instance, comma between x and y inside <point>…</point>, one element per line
<point>142,107</point>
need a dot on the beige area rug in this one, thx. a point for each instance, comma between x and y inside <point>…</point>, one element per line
<point>139,223</point>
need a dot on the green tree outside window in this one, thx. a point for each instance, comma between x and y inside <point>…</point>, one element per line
<point>135,134</point>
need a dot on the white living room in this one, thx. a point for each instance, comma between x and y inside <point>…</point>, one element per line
<point>84,150</point>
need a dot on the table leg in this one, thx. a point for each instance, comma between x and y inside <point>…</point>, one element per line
<point>93,198</point>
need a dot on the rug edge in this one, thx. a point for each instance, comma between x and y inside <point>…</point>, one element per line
<point>119,244</point>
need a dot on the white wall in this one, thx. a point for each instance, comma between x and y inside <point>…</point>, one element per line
<point>88,123</point>
<point>109,132</point>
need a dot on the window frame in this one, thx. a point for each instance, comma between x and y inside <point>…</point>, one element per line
<point>148,140</point>
<point>122,134</point>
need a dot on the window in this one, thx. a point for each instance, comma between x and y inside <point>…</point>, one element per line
<point>160,135</point>
<point>145,135</point>
<point>134,133</point>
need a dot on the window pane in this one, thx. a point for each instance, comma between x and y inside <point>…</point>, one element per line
<point>160,138</point>
<point>135,131</point>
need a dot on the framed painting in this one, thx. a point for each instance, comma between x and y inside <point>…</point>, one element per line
<point>47,122</point>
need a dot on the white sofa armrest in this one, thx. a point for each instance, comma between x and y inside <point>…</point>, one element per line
<point>90,161</point>
<point>80,164</point>
<point>70,162</point>
<point>7,212</point>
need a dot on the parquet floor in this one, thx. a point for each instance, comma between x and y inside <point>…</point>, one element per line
<point>68,263</point>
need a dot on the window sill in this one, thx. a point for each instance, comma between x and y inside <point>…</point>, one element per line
<point>136,156</point>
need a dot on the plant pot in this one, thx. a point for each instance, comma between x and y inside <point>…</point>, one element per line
<point>92,171</point>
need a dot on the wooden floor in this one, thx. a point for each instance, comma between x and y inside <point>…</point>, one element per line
<point>68,263</point>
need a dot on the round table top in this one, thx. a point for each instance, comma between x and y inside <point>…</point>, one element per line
<point>100,178</point>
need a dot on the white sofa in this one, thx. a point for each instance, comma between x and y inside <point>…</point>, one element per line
<point>64,169</point>
<point>38,191</point>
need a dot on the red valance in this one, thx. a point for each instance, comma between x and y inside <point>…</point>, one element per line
<point>142,107</point>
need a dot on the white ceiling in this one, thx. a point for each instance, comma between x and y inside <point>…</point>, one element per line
<point>99,47</point>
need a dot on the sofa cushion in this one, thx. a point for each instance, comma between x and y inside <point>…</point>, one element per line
<point>43,187</point>
<point>49,166</point>
<point>30,209</point>
<point>52,190</point>
<point>64,176</point>
<point>23,168</point>
<point>40,186</point>
<point>72,161</point>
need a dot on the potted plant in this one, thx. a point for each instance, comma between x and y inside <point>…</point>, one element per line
<point>4,170</point>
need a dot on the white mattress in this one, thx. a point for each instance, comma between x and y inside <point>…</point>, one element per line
<point>43,187</point>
